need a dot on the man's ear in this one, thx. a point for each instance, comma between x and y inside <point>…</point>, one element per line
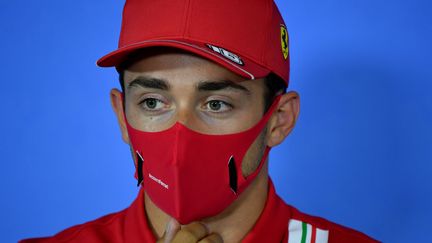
<point>117,106</point>
<point>283,119</point>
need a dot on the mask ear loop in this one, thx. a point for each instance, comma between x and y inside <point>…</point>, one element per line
<point>251,176</point>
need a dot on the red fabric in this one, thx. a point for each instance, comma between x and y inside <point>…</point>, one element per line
<point>313,237</point>
<point>177,180</point>
<point>130,226</point>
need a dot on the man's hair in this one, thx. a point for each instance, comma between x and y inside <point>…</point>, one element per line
<point>274,87</point>
<point>273,83</point>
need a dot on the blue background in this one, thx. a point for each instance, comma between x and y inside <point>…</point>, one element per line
<point>360,155</point>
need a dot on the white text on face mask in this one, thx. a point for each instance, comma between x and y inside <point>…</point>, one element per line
<point>160,182</point>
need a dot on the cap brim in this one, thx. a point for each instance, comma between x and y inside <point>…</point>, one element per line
<point>248,69</point>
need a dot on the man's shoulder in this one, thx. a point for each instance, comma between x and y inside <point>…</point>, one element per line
<point>98,230</point>
<point>317,229</point>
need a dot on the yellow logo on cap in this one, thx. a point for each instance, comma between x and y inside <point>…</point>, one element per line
<point>284,41</point>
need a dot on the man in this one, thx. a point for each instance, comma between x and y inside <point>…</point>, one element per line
<point>203,101</point>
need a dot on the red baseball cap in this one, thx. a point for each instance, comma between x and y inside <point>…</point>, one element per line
<point>248,37</point>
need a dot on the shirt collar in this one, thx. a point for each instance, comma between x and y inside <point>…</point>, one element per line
<point>271,226</point>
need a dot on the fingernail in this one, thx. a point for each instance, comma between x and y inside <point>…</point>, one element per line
<point>168,230</point>
<point>169,226</point>
<point>206,227</point>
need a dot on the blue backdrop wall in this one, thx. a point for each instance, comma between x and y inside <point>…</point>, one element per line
<point>361,154</point>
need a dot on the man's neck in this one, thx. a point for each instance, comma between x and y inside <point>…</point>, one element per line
<point>234,222</point>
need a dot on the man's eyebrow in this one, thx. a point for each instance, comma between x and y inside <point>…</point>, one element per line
<point>221,85</point>
<point>149,82</point>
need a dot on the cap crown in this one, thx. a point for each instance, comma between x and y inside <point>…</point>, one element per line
<point>251,29</point>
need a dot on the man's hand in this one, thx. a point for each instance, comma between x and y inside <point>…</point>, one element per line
<point>191,233</point>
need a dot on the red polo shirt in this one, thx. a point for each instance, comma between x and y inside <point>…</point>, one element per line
<point>278,222</point>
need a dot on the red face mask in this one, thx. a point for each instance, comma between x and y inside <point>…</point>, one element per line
<point>190,175</point>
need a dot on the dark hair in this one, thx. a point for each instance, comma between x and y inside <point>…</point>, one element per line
<point>274,87</point>
<point>274,84</point>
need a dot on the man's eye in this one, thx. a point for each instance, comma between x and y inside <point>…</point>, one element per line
<point>218,106</point>
<point>152,104</point>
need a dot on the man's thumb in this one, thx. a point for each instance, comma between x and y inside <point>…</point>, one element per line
<point>171,229</point>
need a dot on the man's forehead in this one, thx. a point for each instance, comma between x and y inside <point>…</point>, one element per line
<point>172,65</point>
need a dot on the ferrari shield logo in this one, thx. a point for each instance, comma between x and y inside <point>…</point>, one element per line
<point>284,41</point>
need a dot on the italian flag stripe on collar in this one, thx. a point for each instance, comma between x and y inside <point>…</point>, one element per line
<point>301,232</point>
